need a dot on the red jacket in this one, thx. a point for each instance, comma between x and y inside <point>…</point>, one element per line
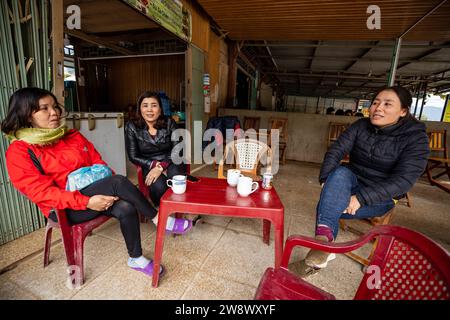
<point>59,159</point>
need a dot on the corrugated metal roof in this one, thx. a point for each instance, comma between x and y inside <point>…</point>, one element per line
<point>325,48</point>
<point>283,20</point>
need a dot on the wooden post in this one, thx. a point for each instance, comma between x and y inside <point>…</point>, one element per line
<point>80,76</point>
<point>188,102</point>
<point>232,73</point>
<point>58,49</point>
<point>258,92</point>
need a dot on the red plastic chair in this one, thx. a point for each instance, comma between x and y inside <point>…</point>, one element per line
<point>406,265</point>
<point>144,189</point>
<point>73,237</point>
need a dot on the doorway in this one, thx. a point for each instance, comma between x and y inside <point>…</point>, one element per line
<point>242,89</point>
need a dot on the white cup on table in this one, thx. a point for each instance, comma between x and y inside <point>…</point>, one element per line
<point>178,184</point>
<point>245,186</point>
<point>233,176</point>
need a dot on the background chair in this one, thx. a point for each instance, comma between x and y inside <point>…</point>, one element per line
<point>405,266</point>
<point>334,131</point>
<point>438,159</point>
<point>280,124</point>
<point>245,155</point>
<point>73,237</point>
<point>252,123</point>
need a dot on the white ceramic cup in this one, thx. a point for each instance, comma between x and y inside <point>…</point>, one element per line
<point>233,176</point>
<point>178,184</point>
<point>245,186</point>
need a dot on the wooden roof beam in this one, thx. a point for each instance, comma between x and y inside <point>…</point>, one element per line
<point>344,45</point>
<point>97,41</point>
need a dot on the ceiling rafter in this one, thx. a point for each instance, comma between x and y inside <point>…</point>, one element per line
<point>287,36</point>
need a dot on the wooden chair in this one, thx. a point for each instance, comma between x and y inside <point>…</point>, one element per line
<point>73,237</point>
<point>376,221</point>
<point>438,159</point>
<point>406,265</point>
<point>406,200</point>
<point>251,123</point>
<point>280,124</point>
<point>334,131</point>
<point>245,155</point>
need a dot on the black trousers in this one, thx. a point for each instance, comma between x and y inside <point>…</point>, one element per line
<point>126,210</point>
<point>159,187</point>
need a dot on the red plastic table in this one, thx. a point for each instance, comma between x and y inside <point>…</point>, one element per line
<point>214,197</point>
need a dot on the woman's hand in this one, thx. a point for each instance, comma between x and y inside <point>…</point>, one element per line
<point>353,206</point>
<point>101,203</point>
<point>153,175</point>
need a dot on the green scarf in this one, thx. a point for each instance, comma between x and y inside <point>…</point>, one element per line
<point>38,136</point>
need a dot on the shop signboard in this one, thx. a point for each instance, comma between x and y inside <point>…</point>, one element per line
<point>169,14</point>
<point>446,117</point>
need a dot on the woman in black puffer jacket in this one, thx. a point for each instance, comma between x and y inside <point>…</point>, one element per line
<point>149,145</point>
<point>388,153</point>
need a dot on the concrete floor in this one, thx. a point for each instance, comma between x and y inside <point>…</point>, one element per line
<point>221,258</point>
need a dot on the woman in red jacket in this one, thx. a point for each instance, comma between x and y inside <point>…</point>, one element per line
<point>33,125</point>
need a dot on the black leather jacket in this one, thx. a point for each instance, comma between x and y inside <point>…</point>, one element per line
<point>387,161</point>
<point>142,148</point>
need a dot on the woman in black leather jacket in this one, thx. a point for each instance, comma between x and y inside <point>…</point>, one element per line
<point>149,145</point>
<point>388,153</point>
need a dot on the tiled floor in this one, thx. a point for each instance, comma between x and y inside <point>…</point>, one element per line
<point>221,258</point>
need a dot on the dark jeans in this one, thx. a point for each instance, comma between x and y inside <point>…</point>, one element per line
<point>159,187</point>
<point>125,210</point>
<point>341,184</point>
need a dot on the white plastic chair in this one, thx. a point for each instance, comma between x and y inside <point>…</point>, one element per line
<point>245,155</point>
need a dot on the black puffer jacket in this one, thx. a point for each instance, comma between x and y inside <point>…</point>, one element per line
<point>386,161</point>
<point>142,148</point>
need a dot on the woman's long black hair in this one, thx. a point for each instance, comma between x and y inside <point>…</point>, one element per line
<point>21,106</point>
<point>161,122</point>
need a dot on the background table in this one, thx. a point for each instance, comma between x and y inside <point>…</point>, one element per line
<point>214,197</point>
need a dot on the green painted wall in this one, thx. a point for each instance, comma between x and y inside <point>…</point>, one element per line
<point>19,43</point>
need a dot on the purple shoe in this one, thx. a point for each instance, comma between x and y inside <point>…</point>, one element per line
<point>178,226</point>
<point>148,270</point>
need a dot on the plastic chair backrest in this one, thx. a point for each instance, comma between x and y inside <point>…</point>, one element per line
<point>245,154</point>
<point>406,265</point>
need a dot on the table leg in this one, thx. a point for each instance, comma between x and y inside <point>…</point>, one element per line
<point>279,235</point>
<point>266,231</point>
<point>159,244</point>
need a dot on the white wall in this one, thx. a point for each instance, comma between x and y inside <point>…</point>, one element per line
<point>108,139</point>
